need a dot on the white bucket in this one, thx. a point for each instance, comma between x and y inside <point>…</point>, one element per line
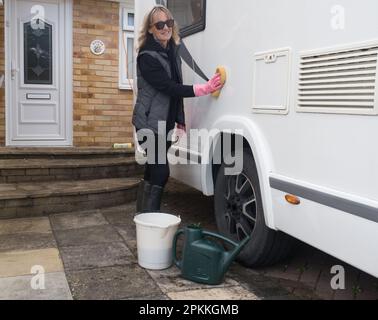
<point>155,232</point>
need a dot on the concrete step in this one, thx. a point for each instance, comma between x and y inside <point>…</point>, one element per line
<point>63,153</point>
<point>31,169</point>
<point>21,200</point>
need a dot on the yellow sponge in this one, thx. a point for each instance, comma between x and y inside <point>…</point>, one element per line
<point>222,71</point>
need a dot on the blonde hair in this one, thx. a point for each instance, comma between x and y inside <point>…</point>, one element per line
<point>147,22</point>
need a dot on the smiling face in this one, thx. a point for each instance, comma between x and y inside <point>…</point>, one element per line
<point>164,35</point>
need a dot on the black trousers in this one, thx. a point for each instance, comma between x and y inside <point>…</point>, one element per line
<point>156,170</point>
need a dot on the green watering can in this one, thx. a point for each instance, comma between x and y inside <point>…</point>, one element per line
<point>204,260</point>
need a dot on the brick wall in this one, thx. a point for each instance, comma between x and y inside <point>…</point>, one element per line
<point>102,112</point>
<point>2,68</point>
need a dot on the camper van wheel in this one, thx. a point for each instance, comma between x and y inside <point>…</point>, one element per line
<point>239,213</point>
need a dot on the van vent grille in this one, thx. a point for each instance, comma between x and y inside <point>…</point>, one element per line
<point>339,80</point>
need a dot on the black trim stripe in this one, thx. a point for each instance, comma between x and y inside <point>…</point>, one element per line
<point>349,206</point>
<point>192,64</point>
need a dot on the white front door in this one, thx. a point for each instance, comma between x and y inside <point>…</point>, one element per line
<point>39,107</point>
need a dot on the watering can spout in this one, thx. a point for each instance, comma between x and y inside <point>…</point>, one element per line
<point>230,256</point>
<point>204,260</point>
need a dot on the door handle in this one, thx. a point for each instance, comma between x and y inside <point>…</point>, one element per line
<point>14,70</point>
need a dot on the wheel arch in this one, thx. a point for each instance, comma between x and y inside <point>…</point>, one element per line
<point>254,141</point>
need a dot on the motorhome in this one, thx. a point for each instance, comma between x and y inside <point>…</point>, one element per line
<point>302,88</point>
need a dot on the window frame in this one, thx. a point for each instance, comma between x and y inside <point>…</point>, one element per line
<point>125,13</point>
<point>125,32</point>
<point>196,27</point>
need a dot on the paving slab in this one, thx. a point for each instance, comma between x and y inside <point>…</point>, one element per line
<point>27,241</point>
<point>132,245</point>
<point>150,298</point>
<point>122,215</point>
<point>112,283</point>
<point>229,293</point>
<point>18,263</point>
<point>170,280</point>
<point>369,288</point>
<point>85,236</point>
<point>128,234</point>
<point>128,208</point>
<point>28,225</point>
<point>96,256</point>
<point>352,286</point>
<point>20,288</point>
<point>126,231</point>
<point>323,287</point>
<point>264,287</point>
<point>66,221</point>
<point>304,293</point>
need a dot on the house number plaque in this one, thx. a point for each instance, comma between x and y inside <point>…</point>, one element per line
<point>97,47</point>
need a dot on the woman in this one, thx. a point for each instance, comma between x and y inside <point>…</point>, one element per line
<point>160,99</point>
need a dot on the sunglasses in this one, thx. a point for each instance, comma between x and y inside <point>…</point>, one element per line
<point>160,25</point>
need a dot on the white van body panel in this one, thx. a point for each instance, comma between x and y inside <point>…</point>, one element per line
<point>332,151</point>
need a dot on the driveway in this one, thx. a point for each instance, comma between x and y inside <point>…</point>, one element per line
<point>92,255</point>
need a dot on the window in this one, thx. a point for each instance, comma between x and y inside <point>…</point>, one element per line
<point>189,14</point>
<point>127,20</point>
<point>38,54</point>
<point>126,49</point>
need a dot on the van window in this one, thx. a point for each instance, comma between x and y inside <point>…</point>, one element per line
<point>189,14</point>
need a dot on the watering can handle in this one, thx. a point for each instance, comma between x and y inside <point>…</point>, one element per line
<point>207,233</point>
<point>174,246</point>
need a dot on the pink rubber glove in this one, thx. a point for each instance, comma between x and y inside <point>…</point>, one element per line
<point>213,85</point>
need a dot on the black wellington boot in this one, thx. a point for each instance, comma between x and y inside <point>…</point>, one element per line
<point>145,197</point>
<point>153,201</point>
<point>143,184</point>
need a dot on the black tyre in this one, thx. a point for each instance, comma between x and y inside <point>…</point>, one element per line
<point>239,212</point>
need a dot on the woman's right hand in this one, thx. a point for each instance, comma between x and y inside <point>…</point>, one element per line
<point>214,84</point>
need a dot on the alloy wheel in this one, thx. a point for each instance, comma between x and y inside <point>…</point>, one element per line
<point>241,209</point>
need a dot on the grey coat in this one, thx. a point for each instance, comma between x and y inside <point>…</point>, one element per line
<point>152,105</point>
